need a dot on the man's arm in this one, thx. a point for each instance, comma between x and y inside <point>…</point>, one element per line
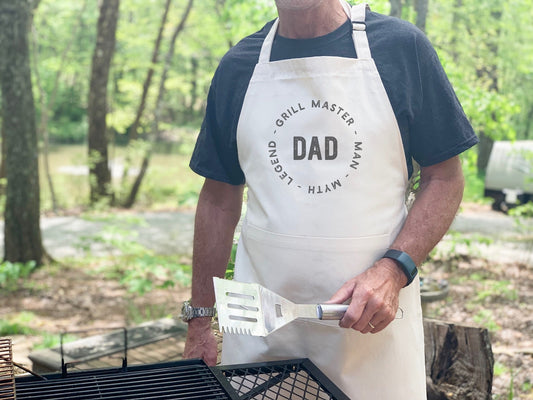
<point>217,214</point>
<point>374,293</point>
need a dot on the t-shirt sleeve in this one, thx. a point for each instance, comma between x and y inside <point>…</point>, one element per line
<point>439,129</point>
<point>215,153</point>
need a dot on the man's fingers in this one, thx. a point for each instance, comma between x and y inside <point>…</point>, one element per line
<point>343,294</point>
<point>352,315</point>
<point>369,315</point>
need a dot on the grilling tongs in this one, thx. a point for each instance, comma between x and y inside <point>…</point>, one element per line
<point>251,309</point>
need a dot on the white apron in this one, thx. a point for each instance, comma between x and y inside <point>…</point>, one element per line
<point>324,163</point>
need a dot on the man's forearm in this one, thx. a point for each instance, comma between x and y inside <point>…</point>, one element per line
<point>217,214</point>
<point>437,201</point>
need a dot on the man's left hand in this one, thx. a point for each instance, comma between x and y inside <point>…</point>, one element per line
<point>374,297</point>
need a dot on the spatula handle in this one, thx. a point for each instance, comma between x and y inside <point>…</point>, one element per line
<point>331,311</point>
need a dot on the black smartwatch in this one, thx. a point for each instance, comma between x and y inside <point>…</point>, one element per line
<point>405,262</point>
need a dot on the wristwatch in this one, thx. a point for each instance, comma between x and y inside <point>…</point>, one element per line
<point>189,312</point>
<point>405,262</point>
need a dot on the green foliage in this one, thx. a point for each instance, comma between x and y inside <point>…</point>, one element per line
<point>474,181</point>
<point>490,67</point>
<point>522,215</point>
<point>486,49</point>
<point>240,18</point>
<point>17,324</point>
<point>12,273</point>
<point>132,264</point>
<point>64,36</point>
<point>485,318</point>
<point>137,315</point>
<point>499,368</point>
<point>53,340</point>
<point>496,289</point>
<point>148,272</point>
<point>458,243</point>
<point>63,130</point>
<point>230,269</point>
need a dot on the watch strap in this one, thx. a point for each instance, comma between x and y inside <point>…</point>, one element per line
<point>405,262</point>
<point>189,312</point>
<point>198,312</point>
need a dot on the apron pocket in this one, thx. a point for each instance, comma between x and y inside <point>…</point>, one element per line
<point>304,269</point>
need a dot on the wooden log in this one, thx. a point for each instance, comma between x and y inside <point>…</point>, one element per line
<point>459,361</point>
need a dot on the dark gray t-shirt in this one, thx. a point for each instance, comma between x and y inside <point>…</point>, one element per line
<point>432,123</point>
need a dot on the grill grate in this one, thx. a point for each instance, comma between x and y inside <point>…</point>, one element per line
<point>187,379</point>
<point>184,380</point>
<point>281,380</point>
<point>7,375</point>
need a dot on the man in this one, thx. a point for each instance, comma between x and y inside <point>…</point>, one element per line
<point>320,113</point>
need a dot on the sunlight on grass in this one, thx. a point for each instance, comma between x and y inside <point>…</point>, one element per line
<point>169,182</point>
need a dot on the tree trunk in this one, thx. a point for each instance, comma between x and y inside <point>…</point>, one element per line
<point>147,82</point>
<point>483,152</point>
<point>457,17</point>
<point>133,130</point>
<point>396,8</point>
<point>194,87</point>
<point>130,200</point>
<point>489,73</point>
<point>527,128</point>
<point>421,8</point>
<point>22,231</point>
<point>3,155</point>
<point>99,174</point>
<point>459,362</point>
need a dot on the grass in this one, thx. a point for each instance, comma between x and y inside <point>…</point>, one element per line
<point>169,183</point>
<point>17,324</point>
<point>12,273</point>
<point>51,340</point>
<point>136,267</point>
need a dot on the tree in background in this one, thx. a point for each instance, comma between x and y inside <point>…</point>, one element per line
<point>420,7</point>
<point>22,232</point>
<point>479,43</point>
<point>47,102</point>
<point>130,200</point>
<point>99,173</point>
<point>396,8</point>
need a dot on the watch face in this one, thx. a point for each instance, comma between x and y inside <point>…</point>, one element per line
<point>186,311</point>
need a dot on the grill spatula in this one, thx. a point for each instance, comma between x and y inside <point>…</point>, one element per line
<point>251,309</point>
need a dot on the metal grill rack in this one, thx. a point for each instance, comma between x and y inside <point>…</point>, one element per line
<point>281,380</point>
<point>7,374</point>
<point>187,379</point>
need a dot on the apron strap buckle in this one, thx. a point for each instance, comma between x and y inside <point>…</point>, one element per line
<point>359,25</point>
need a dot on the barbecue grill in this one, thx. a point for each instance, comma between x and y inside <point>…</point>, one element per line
<point>185,379</point>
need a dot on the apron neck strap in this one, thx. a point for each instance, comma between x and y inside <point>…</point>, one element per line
<point>266,48</point>
<point>357,15</point>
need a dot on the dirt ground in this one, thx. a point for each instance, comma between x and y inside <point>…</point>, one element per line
<point>497,295</point>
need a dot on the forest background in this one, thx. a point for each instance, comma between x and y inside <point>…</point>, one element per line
<point>111,95</point>
<point>119,86</point>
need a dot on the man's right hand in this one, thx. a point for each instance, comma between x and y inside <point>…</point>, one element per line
<point>201,341</point>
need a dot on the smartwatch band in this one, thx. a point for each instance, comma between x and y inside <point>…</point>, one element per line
<point>405,262</point>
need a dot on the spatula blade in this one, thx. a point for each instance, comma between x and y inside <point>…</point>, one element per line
<point>239,307</point>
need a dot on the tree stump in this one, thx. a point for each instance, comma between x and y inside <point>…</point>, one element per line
<point>459,362</point>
